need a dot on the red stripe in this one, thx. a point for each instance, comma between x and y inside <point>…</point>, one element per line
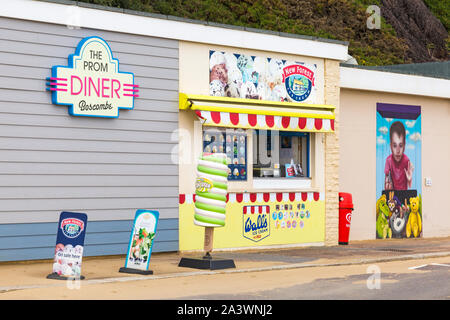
<point>252,120</point>
<point>234,118</point>
<point>199,114</point>
<point>252,197</point>
<point>215,116</point>
<point>304,196</point>
<point>269,121</point>
<point>193,198</point>
<point>239,197</point>
<point>316,196</point>
<point>245,209</point>
<point>302,123</point>
<point>182,198</point>
<point>279,197</point>
<point>228,197</point>
<point>266,197</point>
<point>267,209</point>
<point>260,209</point>
<point>332,124</point>
<point>285,121</point>
<point>318,124</point>
<point>291,196</point>
<point>252,209</point>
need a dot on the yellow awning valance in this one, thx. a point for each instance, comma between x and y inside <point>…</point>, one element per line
<point>259,114</point>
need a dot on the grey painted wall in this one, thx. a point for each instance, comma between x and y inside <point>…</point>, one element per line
<point>108,168</point>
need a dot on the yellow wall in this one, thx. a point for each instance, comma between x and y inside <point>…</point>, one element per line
<point>308,227</point>
<point>357,137</point>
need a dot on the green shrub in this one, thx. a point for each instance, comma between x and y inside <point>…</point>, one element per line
<point>333,19</point>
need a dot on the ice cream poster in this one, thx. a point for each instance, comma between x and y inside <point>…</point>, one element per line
<point>141,240</point>
<point>252,77</point>
<point>398,171</point>
<point>69,244</point>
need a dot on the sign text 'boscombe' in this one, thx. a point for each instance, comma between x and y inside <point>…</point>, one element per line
<point>91,84</point>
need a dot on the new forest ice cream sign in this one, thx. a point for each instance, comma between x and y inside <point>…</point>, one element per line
<point>92,85</point>
<point>255,77</point>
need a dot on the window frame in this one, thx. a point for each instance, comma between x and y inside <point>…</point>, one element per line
<point>313,180</point>
<point>307,135</point>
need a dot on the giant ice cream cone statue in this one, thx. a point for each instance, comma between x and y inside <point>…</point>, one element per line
<point>210,203</point>
<point>211,195</point>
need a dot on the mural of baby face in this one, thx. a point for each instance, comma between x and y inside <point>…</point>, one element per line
<point>397,146</point>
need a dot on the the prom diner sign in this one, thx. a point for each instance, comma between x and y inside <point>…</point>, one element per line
<point>91,84</point>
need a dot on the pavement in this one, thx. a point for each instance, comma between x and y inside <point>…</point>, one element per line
<point>97,270</point>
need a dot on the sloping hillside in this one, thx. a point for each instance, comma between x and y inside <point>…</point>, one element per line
<point>409,31</point>
<point>425,35</point>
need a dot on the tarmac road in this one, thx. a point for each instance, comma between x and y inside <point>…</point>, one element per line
<point>337,272</point>
<point>398,280</point>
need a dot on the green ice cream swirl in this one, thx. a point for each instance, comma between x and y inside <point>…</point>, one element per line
<point>211,191</point>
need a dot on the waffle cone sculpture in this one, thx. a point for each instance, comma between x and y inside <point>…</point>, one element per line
<point>211,191</point>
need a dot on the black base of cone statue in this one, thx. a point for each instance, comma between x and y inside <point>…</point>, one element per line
<point>56,276</point>
<point>207,263</point>
<point>135,271</point>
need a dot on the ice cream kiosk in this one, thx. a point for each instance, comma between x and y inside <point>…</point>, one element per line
<point>274,117</point>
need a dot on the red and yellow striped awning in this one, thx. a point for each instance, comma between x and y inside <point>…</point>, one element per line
<point>258,114</point>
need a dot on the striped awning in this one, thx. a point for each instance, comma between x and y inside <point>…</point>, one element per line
<point>257,114</point>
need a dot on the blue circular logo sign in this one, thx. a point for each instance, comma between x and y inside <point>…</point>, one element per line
<point>298,81</point>
<point>72,227</point>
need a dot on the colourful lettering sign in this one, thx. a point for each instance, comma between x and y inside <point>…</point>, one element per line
<point>92,85</point>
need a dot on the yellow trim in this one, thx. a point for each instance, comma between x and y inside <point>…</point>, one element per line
<point>186,101</point>
<point>272,112</point>
<point>183,101</point>
<point>212,124</point>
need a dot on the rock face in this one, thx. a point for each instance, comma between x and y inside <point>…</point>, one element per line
<point>424,33</point>
<point>420,36</point>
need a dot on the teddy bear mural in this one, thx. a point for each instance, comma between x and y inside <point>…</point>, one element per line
<point>396,220</point>
<point>414,224</point>
<point>383,213</point>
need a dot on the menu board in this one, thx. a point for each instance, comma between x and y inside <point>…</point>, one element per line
<point>232,142</point>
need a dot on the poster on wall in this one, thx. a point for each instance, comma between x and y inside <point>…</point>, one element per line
<point>252,77</point>
<point>398,173</point>
<point>69,245</point>
<point>141,242</point>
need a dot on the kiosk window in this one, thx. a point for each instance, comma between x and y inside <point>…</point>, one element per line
<point>231,141</point>
<point>280,154</point>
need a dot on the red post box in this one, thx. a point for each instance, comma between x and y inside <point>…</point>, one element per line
<point>345,216</point>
